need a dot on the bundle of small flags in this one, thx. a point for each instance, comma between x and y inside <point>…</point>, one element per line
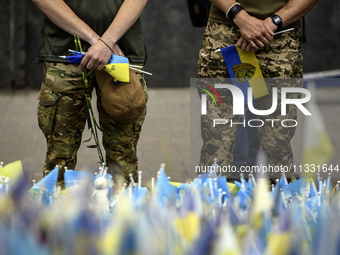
<point>209,215</point>
<point>117,66</point>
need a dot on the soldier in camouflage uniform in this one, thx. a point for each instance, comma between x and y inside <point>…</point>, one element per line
<point>61,117</point>
<point>278,56</point>
<point>112,27</point>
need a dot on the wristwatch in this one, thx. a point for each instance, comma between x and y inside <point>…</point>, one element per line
<point>277,21</point>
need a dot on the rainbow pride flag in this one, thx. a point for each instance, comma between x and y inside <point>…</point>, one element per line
<point>244,71</point>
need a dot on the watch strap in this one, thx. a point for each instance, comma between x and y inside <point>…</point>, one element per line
<point>233,10</point>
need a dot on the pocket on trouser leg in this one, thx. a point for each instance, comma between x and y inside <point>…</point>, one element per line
<point>46,109</point>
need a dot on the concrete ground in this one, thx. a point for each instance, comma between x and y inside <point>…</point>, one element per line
<point>165,137</point>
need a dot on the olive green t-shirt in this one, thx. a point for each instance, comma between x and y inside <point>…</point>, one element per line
<point>55,42</point>
<point>260,9</point>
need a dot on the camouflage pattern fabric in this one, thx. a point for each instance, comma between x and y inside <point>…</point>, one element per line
<point>280,59</point>
<point>61,117</point>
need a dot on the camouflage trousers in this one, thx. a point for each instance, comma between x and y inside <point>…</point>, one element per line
<point>281,61</point>
<point>62,117</point>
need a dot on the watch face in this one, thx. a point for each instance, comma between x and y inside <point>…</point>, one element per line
<point>276,19</point>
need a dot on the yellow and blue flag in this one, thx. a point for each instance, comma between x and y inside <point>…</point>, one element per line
<point>46,187</point>
<point>244,71</point>
<point>117,66</point>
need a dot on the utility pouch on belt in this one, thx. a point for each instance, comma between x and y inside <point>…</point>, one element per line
<point>125,101</point>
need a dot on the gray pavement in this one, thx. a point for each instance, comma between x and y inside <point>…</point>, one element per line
<point>165,137</point>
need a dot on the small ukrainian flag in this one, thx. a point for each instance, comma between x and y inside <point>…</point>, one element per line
<point>118,67</point>
<point>244,71</point>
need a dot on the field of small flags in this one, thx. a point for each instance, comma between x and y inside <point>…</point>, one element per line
<point>209,215</point>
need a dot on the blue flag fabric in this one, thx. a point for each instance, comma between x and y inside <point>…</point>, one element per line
<point>294,187</point>
<point>164,191</point>
<point>72,177</point>
<point>222,184</point>
<point>117,66</point>
<point>232,58</point>
<point>46,187</point>
<point>244,194</point>
<point>139,195</point>
<point>278,202</point>
<point>76,58</point>
<point>109,185</point>
<point>203,245</point>
<point>22,243</point>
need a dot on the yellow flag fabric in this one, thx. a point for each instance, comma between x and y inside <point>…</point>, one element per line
<point>110,241</point>
<point>188,227</point>
<point>176,184</point>
<point>232,188</point>
<point>278,243</point>
<point>119,71</point>
<point>257,82</point>
<point>13,171</point>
